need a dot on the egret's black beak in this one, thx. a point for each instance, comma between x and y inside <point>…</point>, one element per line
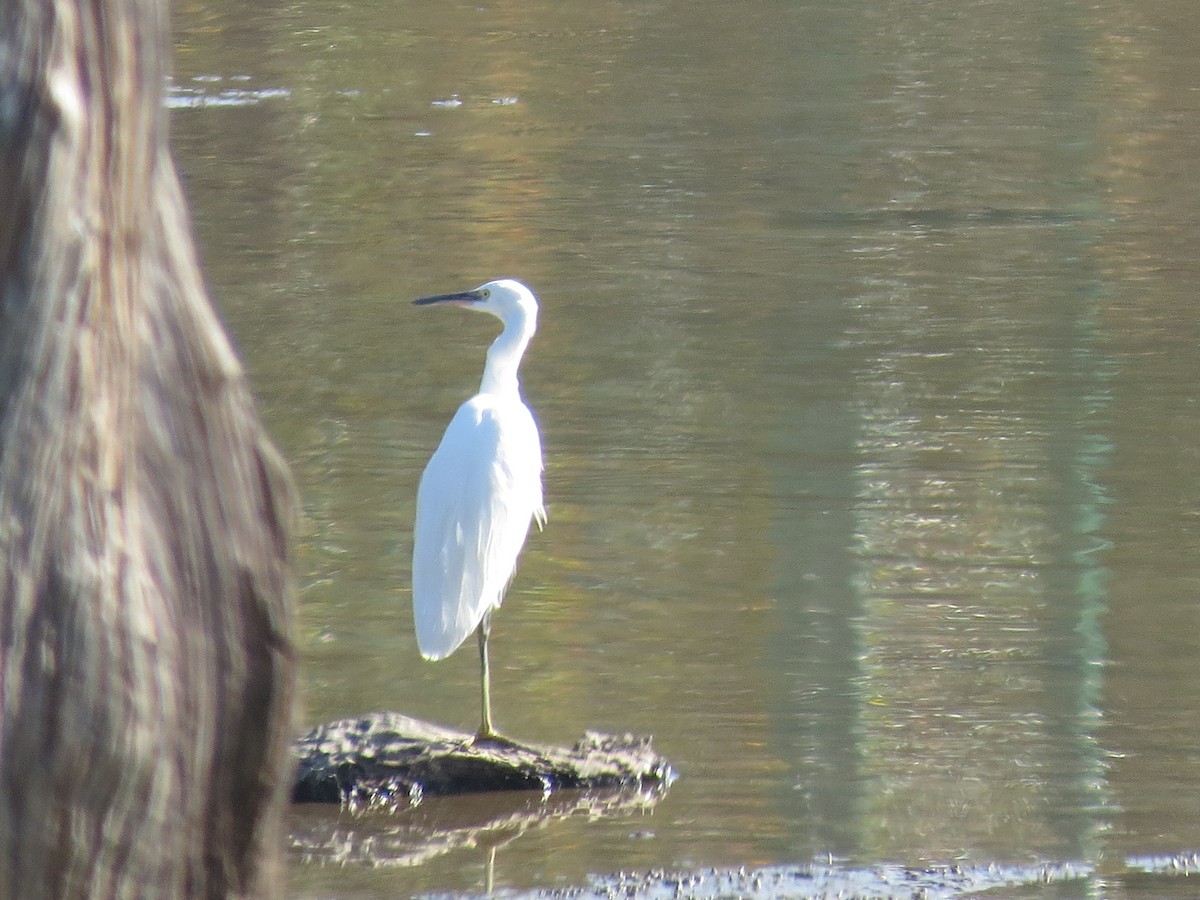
<point>461,298</point>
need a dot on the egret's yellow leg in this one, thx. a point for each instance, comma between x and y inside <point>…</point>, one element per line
<point>485,725</point>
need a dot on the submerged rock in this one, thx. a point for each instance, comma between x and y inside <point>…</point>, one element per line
<point>388,760</point>
<point>805,882</point>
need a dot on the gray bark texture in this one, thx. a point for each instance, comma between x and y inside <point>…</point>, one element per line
<point>146,646</point>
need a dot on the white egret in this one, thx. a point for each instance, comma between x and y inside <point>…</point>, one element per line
<point>479,493</point>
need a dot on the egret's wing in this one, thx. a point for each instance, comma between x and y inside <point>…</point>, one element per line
<point>479,492</point>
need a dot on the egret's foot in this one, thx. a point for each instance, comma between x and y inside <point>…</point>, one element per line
<point>496,739</point>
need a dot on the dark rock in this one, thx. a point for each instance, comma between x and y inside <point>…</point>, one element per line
<point>387,760</point>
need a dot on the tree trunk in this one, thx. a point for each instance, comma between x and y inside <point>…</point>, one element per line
<point>146,648</point>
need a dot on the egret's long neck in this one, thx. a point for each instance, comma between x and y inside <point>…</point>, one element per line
<point>504,356</point>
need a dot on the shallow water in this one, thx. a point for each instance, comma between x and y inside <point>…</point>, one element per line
<point>867,375</point>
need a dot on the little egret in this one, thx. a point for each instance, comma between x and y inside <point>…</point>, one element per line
<point>479,493</point>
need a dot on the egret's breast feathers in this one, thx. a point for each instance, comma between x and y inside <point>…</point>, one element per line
<point>477,497</point>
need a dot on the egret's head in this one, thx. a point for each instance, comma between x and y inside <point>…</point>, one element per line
<point>506,299</point>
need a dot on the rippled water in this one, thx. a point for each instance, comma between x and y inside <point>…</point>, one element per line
<point>867,375</point>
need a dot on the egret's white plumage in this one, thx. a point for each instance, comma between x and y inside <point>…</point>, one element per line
<point>480,491</point>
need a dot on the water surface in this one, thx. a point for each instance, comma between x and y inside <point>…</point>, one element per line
<point>868,381</point>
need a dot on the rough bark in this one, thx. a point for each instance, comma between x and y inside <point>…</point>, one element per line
<point>393,761</point>
<point>146,650</point>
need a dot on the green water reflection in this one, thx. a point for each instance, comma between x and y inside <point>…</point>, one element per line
<point>867,374</point>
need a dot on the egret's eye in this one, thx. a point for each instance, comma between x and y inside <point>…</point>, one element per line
<point>486,293</point>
